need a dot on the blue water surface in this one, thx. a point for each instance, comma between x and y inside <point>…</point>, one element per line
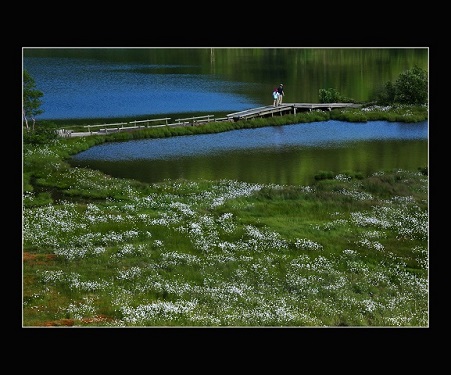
<point>320,134</point>
<point>82,88</point>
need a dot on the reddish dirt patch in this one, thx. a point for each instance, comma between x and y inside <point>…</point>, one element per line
<point>71,322</point>
<point>59,323</point>
<point>37,258</point>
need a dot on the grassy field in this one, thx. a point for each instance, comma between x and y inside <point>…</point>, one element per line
<point>348,250</point>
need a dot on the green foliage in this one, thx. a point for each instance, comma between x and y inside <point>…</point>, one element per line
<point>351,115</point>
<point>386,95</point>
<point>331,95</point>
<point>42,133</point>
<point>395,113</point>
<point>323,175</point>
<point>27,186</point>
<point>344,175</point>
<point>390,184</point>
<point>31,97</point>
<point>423,170</point>
<point>35,133</point>
<point>41,199</point>
<point>411,88</point>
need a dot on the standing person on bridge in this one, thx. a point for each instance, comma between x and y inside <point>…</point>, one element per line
<point>275,95</point>
<point>281,94</point>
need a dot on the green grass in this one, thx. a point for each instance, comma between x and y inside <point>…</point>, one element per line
<point>348,250</point>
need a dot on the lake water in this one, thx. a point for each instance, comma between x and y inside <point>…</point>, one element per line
<point>107,83</point>
<point>101,85</point>
<point>290,154</point>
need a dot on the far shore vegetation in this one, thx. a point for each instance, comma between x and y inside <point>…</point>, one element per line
<point>347,251</point>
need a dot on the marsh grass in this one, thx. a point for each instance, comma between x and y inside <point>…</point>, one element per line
<point>229,254</point>
<point>348,250</point>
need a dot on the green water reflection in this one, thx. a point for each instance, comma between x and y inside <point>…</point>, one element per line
<point>294,166</point>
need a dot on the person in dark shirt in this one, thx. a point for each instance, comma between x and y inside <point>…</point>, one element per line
<point>281,94</point>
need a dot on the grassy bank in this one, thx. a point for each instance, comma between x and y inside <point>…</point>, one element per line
<point>349,250</point>
<point>408,114</point>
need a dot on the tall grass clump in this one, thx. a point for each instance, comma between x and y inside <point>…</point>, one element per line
<point>392,113</point>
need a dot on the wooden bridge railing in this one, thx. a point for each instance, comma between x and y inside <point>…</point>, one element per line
<point>117,126</point>
<point>65,132</point>
<point>165,119</point>
<point>196,119</point>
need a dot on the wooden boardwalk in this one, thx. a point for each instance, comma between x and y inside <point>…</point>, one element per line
<point>286,109</point>
<point>267,111</point>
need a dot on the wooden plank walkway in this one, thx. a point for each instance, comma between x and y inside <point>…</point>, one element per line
<point>287,108</point>
<point>267,111</point>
